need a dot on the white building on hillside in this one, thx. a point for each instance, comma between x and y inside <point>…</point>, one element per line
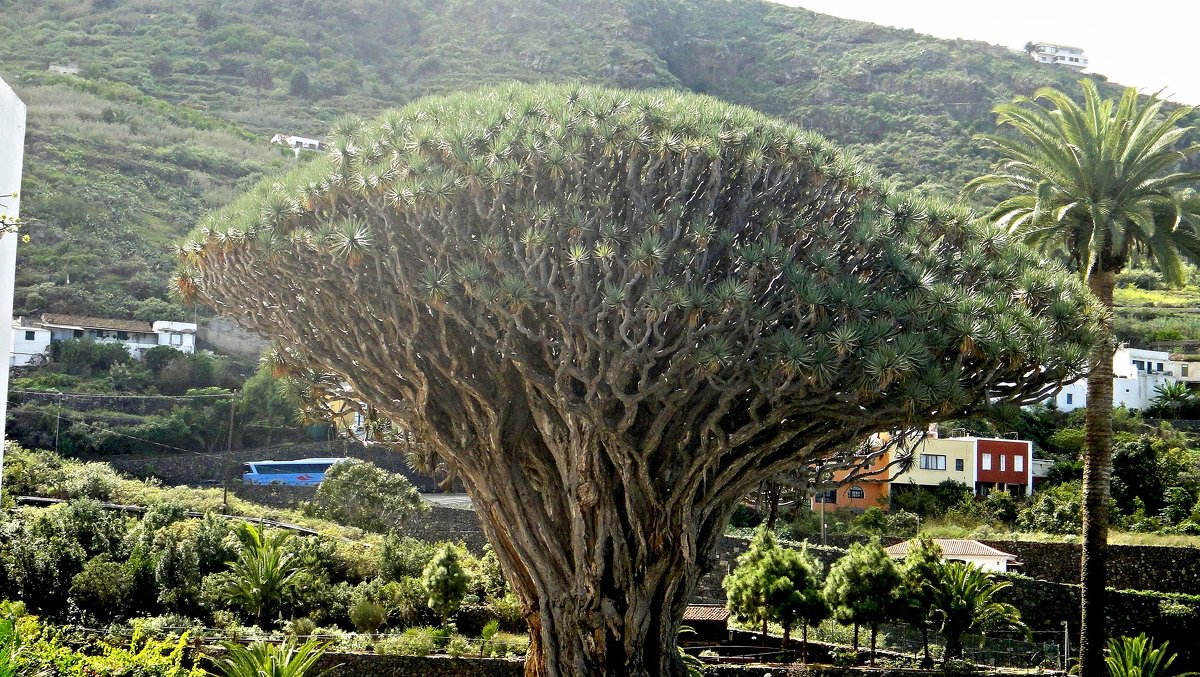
<point>137,336</point>
<point>1136,373</point>
<point>298,143</point>
<point>29,344</point>
<point>1060,55</point>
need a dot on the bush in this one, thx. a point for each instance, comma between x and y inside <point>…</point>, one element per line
<point>103,589</point>
<point>360,494</point>
<point>1056,510</point>
<point>83,357</point>
<point>367,616</point>
<point>403,557</point>
<point>412,642</point>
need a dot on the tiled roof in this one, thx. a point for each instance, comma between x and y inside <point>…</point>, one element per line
<point>83,322</point>
<point>705,612</point>
<point>953,547</point>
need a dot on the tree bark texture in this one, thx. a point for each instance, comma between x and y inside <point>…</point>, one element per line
<point>1097,473</point>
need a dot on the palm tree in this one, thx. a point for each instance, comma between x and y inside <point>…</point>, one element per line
<point>1098,183</point>
<point>1138,657</point>
<point>1171,398</point>
<point>262,575</point>
<point>964,601</point>
<point>267,660</point>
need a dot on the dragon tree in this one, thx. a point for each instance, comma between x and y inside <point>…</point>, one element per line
<point>612,314</point>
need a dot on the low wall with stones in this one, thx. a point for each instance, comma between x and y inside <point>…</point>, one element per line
<point>1130,567</point>
<point>219,466</point>
<point>371,665</point>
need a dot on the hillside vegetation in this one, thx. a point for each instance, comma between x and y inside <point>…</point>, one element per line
<point>175,102</point>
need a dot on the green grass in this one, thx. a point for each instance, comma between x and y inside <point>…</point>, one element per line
<point>1166,298</point>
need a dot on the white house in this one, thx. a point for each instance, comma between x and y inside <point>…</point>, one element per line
<point>64,69</point>
<point>1136,373</point>
<point>298,143</point>
<point>12,140</point>
<point>1059,55</point>
<point>29,344</point>
<point>962,550</point>
<point>137,336</point>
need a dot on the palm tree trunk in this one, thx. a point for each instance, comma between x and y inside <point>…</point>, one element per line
<point>927,661</point>
<point>1097,471</point>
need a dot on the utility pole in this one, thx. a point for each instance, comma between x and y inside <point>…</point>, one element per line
<point>228,456</point>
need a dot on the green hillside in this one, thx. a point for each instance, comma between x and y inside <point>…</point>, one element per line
<point>172,109</point>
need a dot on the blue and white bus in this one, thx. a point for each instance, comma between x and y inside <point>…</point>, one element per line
<point>302,472</point>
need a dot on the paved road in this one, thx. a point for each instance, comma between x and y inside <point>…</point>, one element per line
<point>456,501</point>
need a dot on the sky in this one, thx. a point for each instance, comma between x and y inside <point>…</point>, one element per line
<point>1150,49</point>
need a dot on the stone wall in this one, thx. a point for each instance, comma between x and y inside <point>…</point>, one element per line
<point>448,524</point>
<point>226,336</point>
<point>370,665</point>
<point>218,466</point>
<point>1044,605</point>
<point>1130,567</point>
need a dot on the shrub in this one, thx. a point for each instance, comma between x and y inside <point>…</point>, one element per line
<point>360,494</point>
<point>103,588</point>
<point>411,642</point>
<point>367,616</point>
<point>267,660</point>
<point>403,557</point>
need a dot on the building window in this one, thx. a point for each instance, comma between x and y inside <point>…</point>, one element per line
<point>856,492</point>
<point>1019,463</point>
<point>122,336</point>
<point>29,337</point>
<point>826,496</point>
<point>987,462</point>
<point>1070,398</point>
<point>1183,370</point>
<point>958,464</point>
<point>1139,365</point>
<point>78,333</point>
<point>1003,462</point>
<point>933,462</point>
<point>176,339</point>
<point>1159,367</point>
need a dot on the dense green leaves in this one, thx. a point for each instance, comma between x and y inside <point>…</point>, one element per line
<point>360,494</point>
<point>965,600</point>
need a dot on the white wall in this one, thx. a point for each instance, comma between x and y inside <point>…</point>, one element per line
<point>1132,388</point>
<point>12,154</point>
<point>25,352</point>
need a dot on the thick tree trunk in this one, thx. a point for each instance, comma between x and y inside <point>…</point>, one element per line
<point>603,574</point>
<point>954,646</point>
<point>787,636</point>
<point>1097,472</point>
<point>856,638</point>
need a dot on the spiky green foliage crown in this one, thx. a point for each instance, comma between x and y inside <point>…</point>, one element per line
<point>686,275</point>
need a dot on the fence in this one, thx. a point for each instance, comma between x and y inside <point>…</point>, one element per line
<point>1001,650</point>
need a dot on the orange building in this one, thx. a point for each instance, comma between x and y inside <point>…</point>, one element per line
<point>870,489</point>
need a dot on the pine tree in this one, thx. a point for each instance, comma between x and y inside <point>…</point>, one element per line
<point>865,588</point>
<point>445,582</point>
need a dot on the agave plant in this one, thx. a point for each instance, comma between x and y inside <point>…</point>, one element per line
<point>270,660</point>
<point>1138,657</point>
